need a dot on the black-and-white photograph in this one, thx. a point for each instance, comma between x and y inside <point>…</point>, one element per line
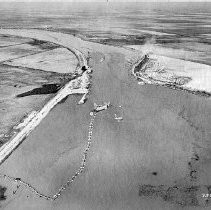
<point>105,105</point>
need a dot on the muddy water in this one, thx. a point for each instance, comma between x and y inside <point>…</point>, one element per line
<point>155,144</point>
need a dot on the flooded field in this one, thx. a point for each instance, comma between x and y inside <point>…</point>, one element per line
<point>182,28</point>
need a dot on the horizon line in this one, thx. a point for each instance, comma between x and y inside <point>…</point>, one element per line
<point>109,1</point>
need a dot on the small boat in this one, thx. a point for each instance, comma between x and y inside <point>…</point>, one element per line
<point>118,118</point>
<point>99,108</point>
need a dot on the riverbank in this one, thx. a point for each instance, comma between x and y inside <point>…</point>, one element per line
<point>31,72</point>
<point>173,73</point>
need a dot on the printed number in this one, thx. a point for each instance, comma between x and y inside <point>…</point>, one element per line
<point>204,195</point>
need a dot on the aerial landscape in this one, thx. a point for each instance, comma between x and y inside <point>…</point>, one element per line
<point>105,105</point>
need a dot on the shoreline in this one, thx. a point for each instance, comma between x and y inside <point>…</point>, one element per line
<point>78,85</point>
<point>23,129</point>
<point>82,62</point>
<point>151,78</point>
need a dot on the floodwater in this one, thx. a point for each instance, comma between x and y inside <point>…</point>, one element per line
<point>148,160</point>
<point>179,30</point>
<point>144,161</point>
